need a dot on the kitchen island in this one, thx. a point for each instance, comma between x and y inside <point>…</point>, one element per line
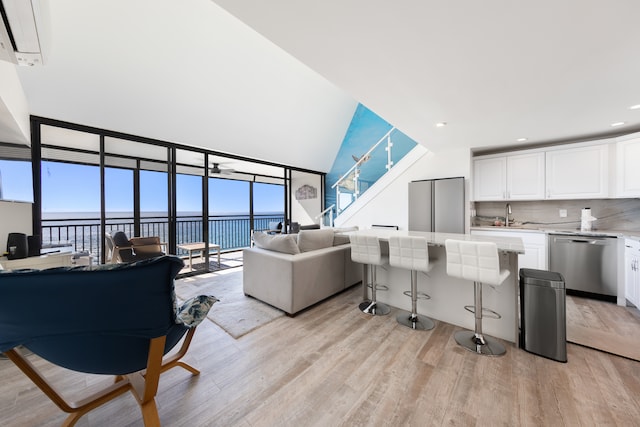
<point>448,294</point>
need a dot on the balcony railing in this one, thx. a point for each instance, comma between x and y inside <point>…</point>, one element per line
<point>231,232</point>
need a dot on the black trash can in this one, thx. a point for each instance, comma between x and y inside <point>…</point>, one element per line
<point>543,319</point>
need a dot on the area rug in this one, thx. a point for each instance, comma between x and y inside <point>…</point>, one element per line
<point>236,313</point>
<point>603,326</point>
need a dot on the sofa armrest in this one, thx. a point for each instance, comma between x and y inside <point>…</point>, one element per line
<point>293,282</point>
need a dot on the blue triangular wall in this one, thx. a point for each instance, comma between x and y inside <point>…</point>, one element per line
<point>365,130</point>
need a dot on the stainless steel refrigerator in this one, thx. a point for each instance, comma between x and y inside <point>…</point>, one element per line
<point>437,205</point>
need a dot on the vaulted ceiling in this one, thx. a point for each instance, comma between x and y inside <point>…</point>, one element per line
<point>279,80</point>
<point>495,71</point>
<point>185,72</point>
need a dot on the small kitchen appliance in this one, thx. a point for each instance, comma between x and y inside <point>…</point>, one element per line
<point>586,220</point>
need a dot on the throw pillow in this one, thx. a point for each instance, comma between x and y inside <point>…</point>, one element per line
<point>310,240</point>
<point>195,310</point>
<point>284,243</point>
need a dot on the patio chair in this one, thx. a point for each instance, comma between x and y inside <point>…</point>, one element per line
<point>116,320</point>
<point>122,249</point>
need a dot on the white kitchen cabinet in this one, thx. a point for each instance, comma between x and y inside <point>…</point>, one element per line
<point>490,179</point>
<point>632,271</point>
<point>535,246</point>
<point>525,176</point>
<point>578,173</point>
<point>512,177</point>
<point>628,168</point>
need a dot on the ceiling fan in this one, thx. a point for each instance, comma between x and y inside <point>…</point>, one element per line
<point>216,170</point>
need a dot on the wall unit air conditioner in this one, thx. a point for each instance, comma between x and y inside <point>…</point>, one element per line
<point>22,31</point>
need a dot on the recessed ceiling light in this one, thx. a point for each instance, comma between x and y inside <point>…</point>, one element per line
<point>617,124</point>
<point>634,107</point>
<point>441,124</point>
<point>521,139</point>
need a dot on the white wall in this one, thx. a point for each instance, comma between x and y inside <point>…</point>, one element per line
<point>303,211</point>
<point>190,73</point>
<point>14,111</point>
<point>390,207</point>
<point>15,217</point>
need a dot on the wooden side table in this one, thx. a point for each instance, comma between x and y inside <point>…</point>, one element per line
<point>198,247</point>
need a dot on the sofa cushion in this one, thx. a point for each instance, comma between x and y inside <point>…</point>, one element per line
<point>285,243</point>
<point>310,240</point>
<point>342,239</point>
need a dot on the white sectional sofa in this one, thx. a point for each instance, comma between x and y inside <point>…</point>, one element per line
<point>292,272</point>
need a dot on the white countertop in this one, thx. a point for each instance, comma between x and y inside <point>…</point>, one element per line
<point>559,230</point>
<point>505,244</point>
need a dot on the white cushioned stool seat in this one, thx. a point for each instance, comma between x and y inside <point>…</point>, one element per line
<point>411,253</point>
<point>366,250</point>
<point>479,262</point>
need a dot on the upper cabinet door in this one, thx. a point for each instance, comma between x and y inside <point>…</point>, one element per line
<point>489,179</point>
<point>628,168</point>
<point>578,173</point>
<point>525,177</point>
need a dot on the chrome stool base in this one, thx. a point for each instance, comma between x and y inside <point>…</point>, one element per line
<point>364,305</point>
<point>415,321</point>
<point>480,344</point>
<point>374,308</point>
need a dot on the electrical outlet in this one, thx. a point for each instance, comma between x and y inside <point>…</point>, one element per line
<point>563,213</point>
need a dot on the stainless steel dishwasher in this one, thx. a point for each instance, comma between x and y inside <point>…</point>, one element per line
<point>588,264</point>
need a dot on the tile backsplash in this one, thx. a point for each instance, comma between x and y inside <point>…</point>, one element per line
<point>612,214</point>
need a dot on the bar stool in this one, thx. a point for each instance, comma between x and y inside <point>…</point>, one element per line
<point>366,250</point>
<point>411,253</point>
<point>477,261</point>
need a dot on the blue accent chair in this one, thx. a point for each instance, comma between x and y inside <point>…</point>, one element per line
<point>115,319</point>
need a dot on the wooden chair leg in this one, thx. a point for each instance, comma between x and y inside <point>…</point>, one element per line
<point>174,360</point>
<point>150,414</point>
<point>72,419</point>
<point>77,409</point>
<point>143,384</point>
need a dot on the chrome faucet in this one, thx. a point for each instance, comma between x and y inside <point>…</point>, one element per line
<point>506,216</point>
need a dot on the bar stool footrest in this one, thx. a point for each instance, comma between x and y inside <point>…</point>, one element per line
<point>379,287</point>
<point>486,312</point>
<point>419,295</point>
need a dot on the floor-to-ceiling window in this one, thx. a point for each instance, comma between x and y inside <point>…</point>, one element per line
<point>16,191</point>
<point>119,199</point>
<point>229,209</point>
<point>70,189</point>
<point>268,204</point>
<point>105,180</point>
<point>15,173</point>
<point>154,204</point>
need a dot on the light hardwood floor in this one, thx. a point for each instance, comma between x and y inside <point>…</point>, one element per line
<point>334,366</point>
<point>604,326</point>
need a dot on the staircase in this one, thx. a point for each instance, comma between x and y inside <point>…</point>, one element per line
<point>363,176</point>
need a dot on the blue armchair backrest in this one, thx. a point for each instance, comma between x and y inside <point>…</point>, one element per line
<point>91,319</point>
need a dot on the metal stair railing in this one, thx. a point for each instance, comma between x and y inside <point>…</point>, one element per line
<point>352,176</point>
<point>321,215</point>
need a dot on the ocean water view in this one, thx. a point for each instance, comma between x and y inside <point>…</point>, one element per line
<point>81,230</point>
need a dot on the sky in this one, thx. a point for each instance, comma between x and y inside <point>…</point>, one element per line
<point>70,187</point>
